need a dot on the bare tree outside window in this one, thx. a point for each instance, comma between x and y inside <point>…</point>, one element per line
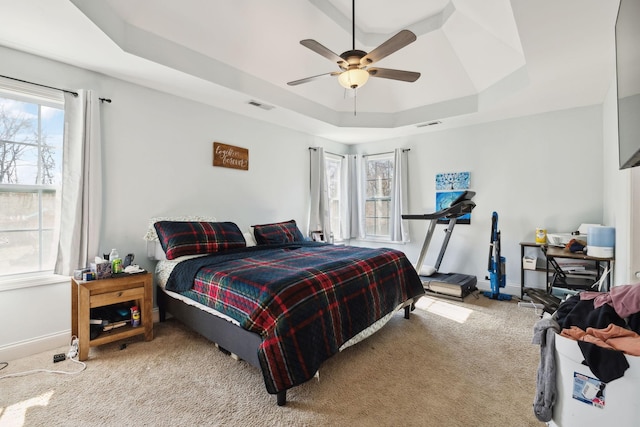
<point>15,136</point>
<point>30,176</point>
<point>378,202</point>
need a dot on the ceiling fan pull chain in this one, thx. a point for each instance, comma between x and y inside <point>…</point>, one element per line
<point>355,101</point>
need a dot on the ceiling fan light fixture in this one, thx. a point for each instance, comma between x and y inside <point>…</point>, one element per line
<point>354,78</point>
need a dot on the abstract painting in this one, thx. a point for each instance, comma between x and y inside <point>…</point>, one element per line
<point>452,181</point>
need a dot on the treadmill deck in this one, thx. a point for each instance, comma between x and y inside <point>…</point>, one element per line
<point>452,284</point>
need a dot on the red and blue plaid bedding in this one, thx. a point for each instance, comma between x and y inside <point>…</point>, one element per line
<point>305,299</point>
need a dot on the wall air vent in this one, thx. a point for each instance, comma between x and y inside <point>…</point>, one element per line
<point>261,105</point>
<point>421,125</point>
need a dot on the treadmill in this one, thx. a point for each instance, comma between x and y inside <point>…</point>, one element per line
<point>454,285</point>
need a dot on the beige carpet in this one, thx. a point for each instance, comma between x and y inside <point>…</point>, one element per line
<point>451,364</point>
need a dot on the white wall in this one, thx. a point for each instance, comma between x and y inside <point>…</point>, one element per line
<point>158,161</point>
<point>621,197</point>
<point>544,170</point>
<point>538,171</point>
<point>157,155</point>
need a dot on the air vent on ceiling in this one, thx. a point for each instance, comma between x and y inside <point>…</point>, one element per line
<point>421,125</point>
<point>261,105</point>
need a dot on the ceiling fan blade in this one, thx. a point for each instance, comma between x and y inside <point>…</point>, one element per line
<point>320,49</point>
<point>395,43</point>
<point>387,73</point>
<point>312,78</point>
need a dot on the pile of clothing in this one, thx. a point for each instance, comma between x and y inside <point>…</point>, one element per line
<point>606,326</point>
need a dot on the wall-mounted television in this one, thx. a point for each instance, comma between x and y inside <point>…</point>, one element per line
<point>628,81</point>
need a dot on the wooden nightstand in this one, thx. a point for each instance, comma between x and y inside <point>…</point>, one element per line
<point>98,293</point>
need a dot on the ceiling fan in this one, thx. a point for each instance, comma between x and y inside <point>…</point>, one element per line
<point>354,64</point>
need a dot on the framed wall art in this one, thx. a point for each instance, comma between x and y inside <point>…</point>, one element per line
<point>449,186</point>
<point>229,156</point>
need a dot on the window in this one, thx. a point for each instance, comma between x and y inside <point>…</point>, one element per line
<point>31,135</point>
<point>333,165</point>
<point>379,174</point>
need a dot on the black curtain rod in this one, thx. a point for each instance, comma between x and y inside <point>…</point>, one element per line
<point>328,152</point>
<point>388,152</point>
<point>364,155</point>
<point>51,87</point>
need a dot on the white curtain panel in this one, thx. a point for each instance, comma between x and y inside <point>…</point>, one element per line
<point>399,228</point>
<point>355,196</point>
<point>81,212</point>
<point>345,202</point>
<point>319,216</point>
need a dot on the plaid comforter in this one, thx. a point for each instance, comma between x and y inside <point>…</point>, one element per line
<point>304,299</point>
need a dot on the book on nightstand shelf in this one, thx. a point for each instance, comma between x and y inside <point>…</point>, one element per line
<point>107,318</point>
<point>114,325</point>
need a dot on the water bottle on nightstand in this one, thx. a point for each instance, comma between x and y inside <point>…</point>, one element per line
<point>116,262</point>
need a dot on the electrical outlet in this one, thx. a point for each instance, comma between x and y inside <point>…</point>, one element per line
<point>59,357</point>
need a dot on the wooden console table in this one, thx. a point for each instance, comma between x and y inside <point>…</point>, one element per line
<point>523,246</point>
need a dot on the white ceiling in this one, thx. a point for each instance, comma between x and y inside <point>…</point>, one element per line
<point>479,60</point>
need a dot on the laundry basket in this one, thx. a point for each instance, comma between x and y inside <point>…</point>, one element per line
<point>620,406</point>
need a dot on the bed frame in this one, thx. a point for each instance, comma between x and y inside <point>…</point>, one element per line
<point>228,336</point>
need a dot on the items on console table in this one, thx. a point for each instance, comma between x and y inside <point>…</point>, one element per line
<point>554,254</point>
<point>87,295</point>
<point>530,263</point>
<point>562,271</point>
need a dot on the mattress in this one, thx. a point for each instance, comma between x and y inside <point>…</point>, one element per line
<point>163,271</point>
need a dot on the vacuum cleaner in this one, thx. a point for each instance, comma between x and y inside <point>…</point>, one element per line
<point>496,266</point>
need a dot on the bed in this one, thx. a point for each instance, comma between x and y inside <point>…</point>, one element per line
<point>281,303</point>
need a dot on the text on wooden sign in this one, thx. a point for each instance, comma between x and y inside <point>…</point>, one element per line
<point>229,156</point>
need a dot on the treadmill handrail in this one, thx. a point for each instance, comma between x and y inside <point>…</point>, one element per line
<point>460,206</point>
<point>454,211</point>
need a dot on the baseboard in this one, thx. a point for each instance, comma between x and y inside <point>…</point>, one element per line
<point>45,343</point>
<point>510,289</point>
<point>34,346</point>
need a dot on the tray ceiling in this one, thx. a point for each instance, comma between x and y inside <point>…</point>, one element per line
<point>478,60</point>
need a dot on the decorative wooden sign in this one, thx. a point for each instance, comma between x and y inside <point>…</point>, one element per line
<point>228,156</point>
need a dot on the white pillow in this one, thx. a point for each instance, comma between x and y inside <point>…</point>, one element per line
<point>155,251</point>
<point>249,238</point>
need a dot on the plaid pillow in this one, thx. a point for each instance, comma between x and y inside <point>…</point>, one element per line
<point>180,238</point>
<point>280,232</point>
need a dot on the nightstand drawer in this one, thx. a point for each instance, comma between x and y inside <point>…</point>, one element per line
<point>116,297</point>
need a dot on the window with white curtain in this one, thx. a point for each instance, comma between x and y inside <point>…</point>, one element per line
<point>333,167</point>
<point>31,138</point>
<point>362,195</point>
<point>378,195</point>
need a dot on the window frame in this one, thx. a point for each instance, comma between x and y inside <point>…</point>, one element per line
<point>41,273</point>
<point>335,221</point>
<point>387,157</point>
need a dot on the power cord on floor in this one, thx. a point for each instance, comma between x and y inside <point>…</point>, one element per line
<point>70,355</point>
